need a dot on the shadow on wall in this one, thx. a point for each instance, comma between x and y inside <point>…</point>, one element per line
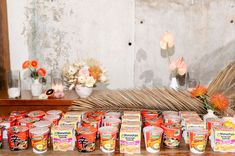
<point>210,64</point>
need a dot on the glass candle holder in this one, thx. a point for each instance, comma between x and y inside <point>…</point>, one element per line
<point>13,84</point>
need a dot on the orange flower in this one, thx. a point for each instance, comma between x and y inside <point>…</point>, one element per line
<point>34,64</point>
<point>198,91</point>
<point>220,102</point>
<point>95,72</point>
<point>41,72</point>
<point>26,64</point>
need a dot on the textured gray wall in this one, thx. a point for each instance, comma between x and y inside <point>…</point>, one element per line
<point>204,31</point>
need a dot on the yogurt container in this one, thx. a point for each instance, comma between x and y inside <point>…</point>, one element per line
<point>36,114</point>
<point>171,135</point>
<point>116,115</point>
<point>42,123</point>
<point>152,138</point>
<point>39,139</point>
<point>108,136</point>
<point>86,137</point>
<point>18,137</point>
<point>54,119</point>
<point>115,122</point>
<point>198,140</point>
<point>28,122</point>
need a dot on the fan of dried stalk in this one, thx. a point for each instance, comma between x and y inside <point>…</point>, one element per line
<point>158,99</point>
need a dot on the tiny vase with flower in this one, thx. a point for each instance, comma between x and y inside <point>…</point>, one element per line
<point>35,74</point>
<point>84,76</point>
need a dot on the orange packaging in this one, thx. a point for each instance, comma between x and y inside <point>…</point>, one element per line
<point>172,119</point>
<point>18,115</point>
<point>1,139</point>
<point>36,114</point>
<point>108,136</point>
<point>97,116</point>
<point>18,137</point>
<point>90,122</point>
<point>54,119</point>
<point>147,114</point>
<point>171,135</point>
<point>28,122</point>
<point>198,140</point>
<point>86,137</point>
<point>39,139</point>
<point>153,122</point>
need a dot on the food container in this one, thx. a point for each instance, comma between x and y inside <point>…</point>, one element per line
<point>108,136</point>
<point>18,137</point>
<point>69,122</point>
<point>75,114</point>
<point>6,122</point>
<point>130,140</point>
<point>131,124</point>
<point>223,139</point>
<point>39,139</point>
<point>1,138</point>
<point>28,122</point>
<point>90,122</point>
<point>211,122</point>
<point>165,113</point>
<point>54,119</point>
<point>42,123</point>
<point>132,113</point>
<point>63,138</point>
<point>116,115</point>
<point>172,119</point>
<point>18,115</point>
<point>86,137</point>
<point>130,118</point>
<point>55,112</point>
<point>147,114</point>
<point>171,135</point>
<point>198,140</point>
<point>97,116</point>
<point>36,114</point>
<point>153,122</point>
<point>115,122</point>
<point>152,138</point>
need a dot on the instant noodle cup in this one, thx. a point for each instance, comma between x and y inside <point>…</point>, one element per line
<point>97,116</point>
<point>165,113</point>
<point>115,122</point>
<point>42,123</point>
<point>172,119</point>
<point>39,139</point>
<point>152,138</point>
<point>18,115</point>
<point>28,122</point>
<point>18,137</point>
<point>7,122</point>
<point>54,119</point>
<point>198,140</point>
<point>86,137</point>
<point>116,115</point>
<point>153,122</point>
<point>108,136</point>
<point>54,112</point>
<point>171,135</point>
<point>36,114</point>
<point>211,122</point>
<point>149,114</point>
<point>131,124</point>
<point>90,122</point>
<point>69,122</point>
<point>1,138</point>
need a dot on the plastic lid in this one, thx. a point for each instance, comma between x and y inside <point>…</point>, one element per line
<point>51,117</point>
<point>54,112</point>
<point>39,130</point>
<point>17,129</point>
<point>86,130</point>
<point>112,120</point>
<point>28,120</point>
<point>108,129</point>
<point>153,129</point>
<point>36,113</point>
<point>42,124</point>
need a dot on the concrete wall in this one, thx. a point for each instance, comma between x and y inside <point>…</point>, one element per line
<point>61,31</point>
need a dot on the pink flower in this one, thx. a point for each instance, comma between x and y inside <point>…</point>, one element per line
<point>167,41</point>
<point>84,72</point>
<point>179,65</point>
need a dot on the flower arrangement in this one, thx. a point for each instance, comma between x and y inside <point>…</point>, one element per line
<point>215,102</point>
<point>86,73</point>
<point>32,66</point>
<point>177,67</point>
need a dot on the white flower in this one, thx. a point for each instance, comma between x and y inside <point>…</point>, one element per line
<point>84,71</point>
<point>103,78</point>
<point>81,79</point>
<point>167,41</point>
<point>72,70</point>
<point>90,81</point>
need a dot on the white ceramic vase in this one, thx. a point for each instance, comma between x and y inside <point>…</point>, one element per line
<point>83,92</point>
<point>36,88</point>
<point>174,83</point>
<point>210,114</point>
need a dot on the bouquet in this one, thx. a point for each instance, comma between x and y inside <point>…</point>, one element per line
<point>35,72</point>
<point>86,73</point>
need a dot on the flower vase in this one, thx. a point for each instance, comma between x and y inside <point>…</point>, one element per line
<point>174,83</point>
<point>36,88</point>
<point>83,92</point>
<point>210,114</point>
